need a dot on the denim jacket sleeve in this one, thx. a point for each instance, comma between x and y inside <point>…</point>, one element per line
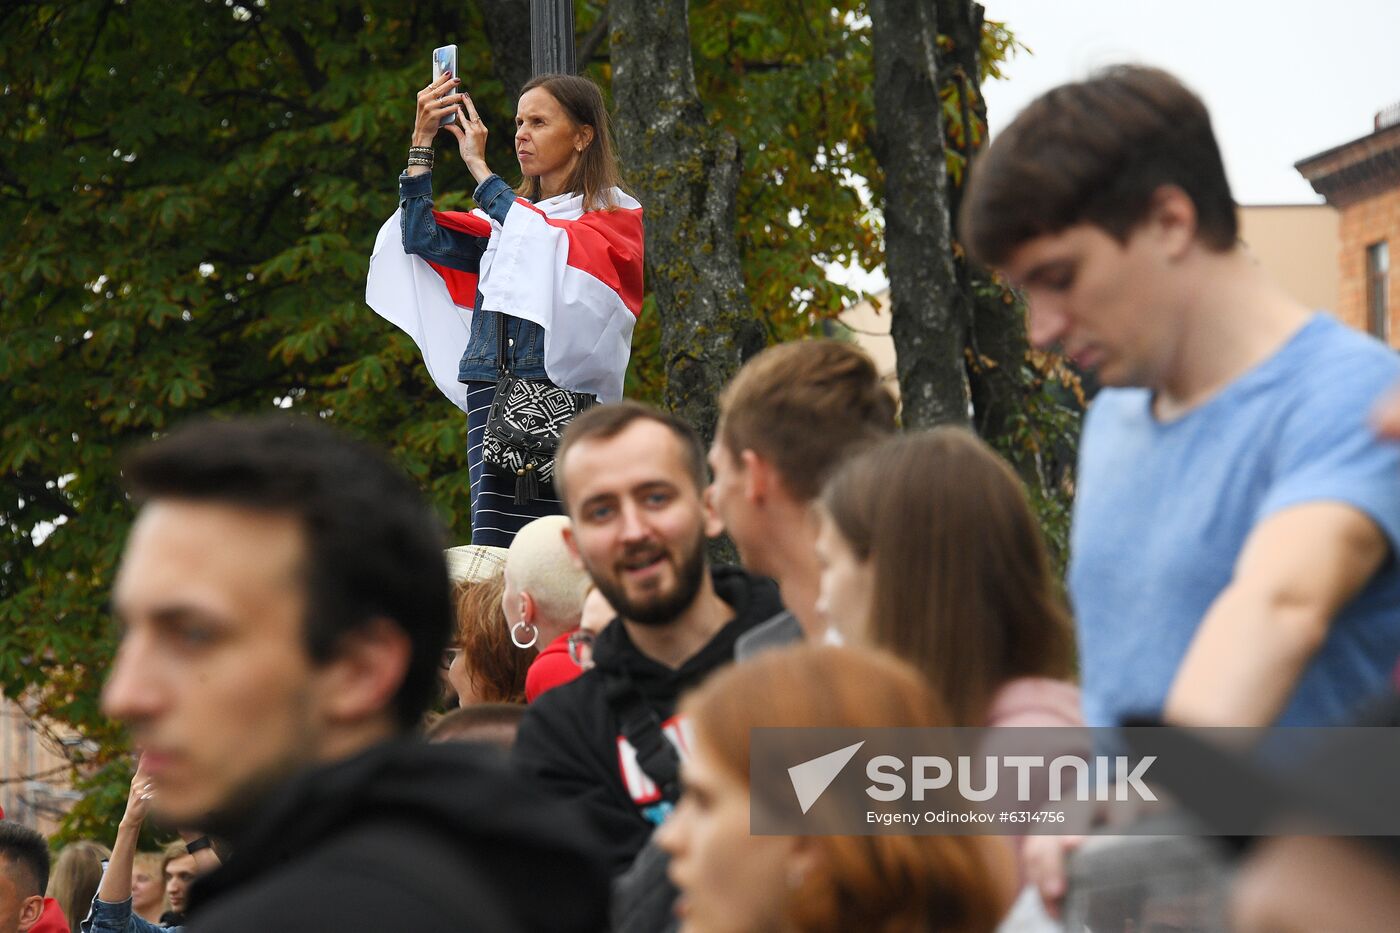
<point>107,917</point>
<point>494,197</point>
<point>421,234</point>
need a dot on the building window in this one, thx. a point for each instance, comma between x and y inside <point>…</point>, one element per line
<point>1378,289</point>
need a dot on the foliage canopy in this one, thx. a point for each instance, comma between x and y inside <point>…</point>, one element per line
<point>190,193</point>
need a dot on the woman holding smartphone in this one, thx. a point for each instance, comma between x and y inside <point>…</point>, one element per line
<point>555,263</point>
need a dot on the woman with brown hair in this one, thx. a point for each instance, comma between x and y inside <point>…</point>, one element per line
<point>930,550</point>
<point>486,667</point>
<point>544,281</point>
<point>74,878</point>
<point>731,880</point>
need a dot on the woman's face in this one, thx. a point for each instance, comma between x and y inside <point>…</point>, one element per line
<point>847,593</point>
<point>147,889</point>
<point>461,681</point>
<point>729,880</point>
<point>547,142</point>
<point>597,612</point>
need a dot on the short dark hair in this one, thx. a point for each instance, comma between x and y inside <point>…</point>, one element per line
<point>492,723</point>
<point>1097,151</point>
<point>25,849</point>
<point>607,421</point>
<point>806,406</point>
<point>374,545</point>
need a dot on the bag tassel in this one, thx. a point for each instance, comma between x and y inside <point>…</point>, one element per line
<point>527,487</point>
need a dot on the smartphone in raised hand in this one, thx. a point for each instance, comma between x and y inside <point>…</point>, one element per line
<point>444,61</point>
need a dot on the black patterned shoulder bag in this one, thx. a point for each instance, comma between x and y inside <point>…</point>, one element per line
<point>527,418</point>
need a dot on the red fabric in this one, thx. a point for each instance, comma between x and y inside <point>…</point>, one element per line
<point>464,222</point>
<point>551,668</point>
<point>605,244</point>
<point>608,246</point>
<point>51,920</point>
<point>461,285</point>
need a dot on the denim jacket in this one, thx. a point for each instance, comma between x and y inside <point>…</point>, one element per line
<point>106,917</point>
<point>423,237</point>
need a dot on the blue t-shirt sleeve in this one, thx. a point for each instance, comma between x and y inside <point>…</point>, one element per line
<point>423,236</point>
<point>1328,450</point>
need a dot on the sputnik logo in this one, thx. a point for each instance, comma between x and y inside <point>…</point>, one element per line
<point>811,778</point>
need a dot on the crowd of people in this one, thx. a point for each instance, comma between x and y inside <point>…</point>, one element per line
<point>290,612</point>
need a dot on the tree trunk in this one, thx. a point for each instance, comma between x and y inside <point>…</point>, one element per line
<point>686,173</point>
<point>507,24</point>
<point>930,312</point>
<point>997,336</point>
<point>1028,412</point>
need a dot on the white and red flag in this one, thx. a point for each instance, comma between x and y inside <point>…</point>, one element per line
<point>576,274</point>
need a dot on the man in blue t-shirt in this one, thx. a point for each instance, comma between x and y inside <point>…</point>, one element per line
<point>1232,555</point>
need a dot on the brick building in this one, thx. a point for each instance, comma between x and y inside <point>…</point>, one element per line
<point>1362,180</point>
<point>1296,244</point>
<point>34,772</point>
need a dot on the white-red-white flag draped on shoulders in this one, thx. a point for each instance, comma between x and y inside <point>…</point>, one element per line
<point>576,274</point>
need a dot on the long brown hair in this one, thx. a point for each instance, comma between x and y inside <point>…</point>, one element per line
<point>76,874</point>
<point>963,587</point>
<point>876,883</point>
<point>596,173</point>
<point>494,665</point>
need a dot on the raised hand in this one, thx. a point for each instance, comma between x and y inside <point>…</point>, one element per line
<point>139,798</point>
<point>1045,860</point>
<point>116,881</point>
<point>471,138</point>
<point>435,101</point>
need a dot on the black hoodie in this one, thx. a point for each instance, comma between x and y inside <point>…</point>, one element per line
<point>570,739</point>
<point>408,836</point>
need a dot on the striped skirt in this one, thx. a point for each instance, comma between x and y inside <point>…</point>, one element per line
<point>495,516</point>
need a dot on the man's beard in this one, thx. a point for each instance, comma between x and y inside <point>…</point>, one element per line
<point>663,609</point>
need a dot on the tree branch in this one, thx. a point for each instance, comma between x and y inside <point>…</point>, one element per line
<point>266,97</point>
<point>35,490</point>
<point>82,66</point>
<point>595,37</point>
<point>305,56</point>
<point>37,775</point>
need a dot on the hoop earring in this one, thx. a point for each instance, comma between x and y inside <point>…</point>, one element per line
<point>534,635</point>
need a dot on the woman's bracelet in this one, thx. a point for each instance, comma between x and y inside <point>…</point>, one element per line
<point>420,155</point>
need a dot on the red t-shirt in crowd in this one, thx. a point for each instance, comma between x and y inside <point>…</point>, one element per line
<point>51,920</point>
<point>551,668</point>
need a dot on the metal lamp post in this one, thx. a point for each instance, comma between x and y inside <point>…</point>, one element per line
<point>552,37</point>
